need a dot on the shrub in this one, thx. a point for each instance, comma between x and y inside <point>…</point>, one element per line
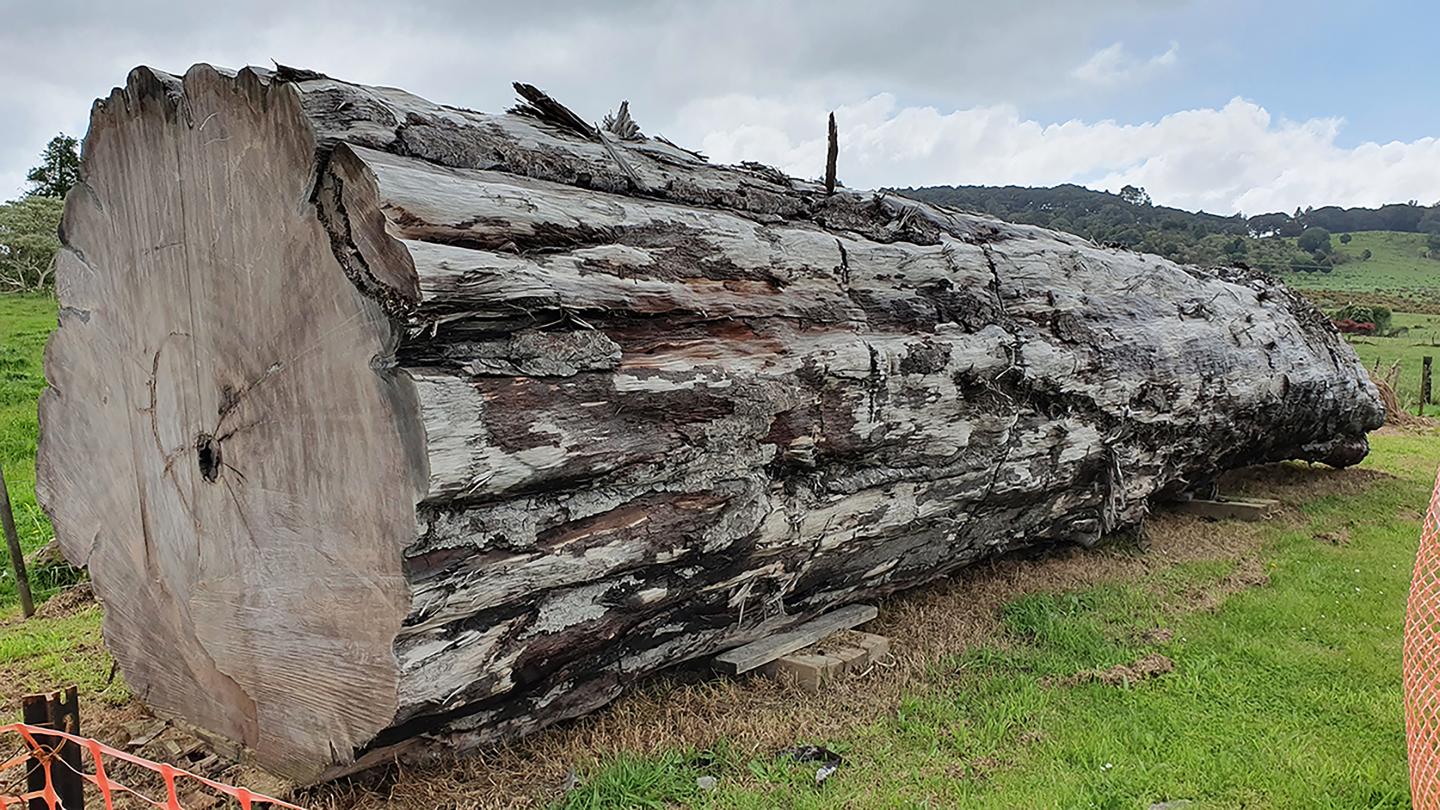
<point>1376,316</point>
<point>1355,327</point>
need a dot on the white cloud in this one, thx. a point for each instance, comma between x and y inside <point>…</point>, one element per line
<point>1114,65</point>
<point>58,55</point>
<point>1236,158</point>
<point>748,79</point>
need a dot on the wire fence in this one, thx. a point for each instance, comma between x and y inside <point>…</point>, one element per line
<point>1422,664</point>
<point>34,776</point>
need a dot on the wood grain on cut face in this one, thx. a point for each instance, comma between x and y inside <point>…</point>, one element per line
<point>242,529</point>
<point>387,426</point>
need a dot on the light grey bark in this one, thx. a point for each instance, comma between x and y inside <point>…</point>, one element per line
<point>383,424</point>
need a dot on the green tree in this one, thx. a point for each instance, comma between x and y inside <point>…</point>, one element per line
<point>1135,195</point>
<point>1430,222</point>
<point>59,168</point>
<point>1365,255</point>
<point>1314,240</point>
<point>29,237</point>
<point>1344,238</point>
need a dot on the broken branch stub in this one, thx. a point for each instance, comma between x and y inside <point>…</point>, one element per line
<point>385,426</point>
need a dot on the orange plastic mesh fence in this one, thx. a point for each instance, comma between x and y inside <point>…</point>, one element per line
<point>39,742</point>
<point>1422,664</point>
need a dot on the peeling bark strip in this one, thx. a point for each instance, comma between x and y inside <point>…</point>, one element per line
<point>383,424</point>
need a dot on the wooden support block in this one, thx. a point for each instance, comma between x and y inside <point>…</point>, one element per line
<point>1230,509</point>
<point>809,671</point>
<point>848,651</point>
<point>761,652</point>
<point>850,659</point>
<point>876,647</point>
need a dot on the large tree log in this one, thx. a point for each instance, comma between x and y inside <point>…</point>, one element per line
<point>380,422</point>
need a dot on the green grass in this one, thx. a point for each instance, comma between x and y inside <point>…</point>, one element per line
<point>39,654</point>
<point>1421,339</point>
<point>1398,274</point>
<point>1288,695</point>
<point>25,323</point>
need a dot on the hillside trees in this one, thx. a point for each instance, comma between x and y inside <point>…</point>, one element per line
<point>28,241</point>
<point>1135,195</point>
<point>29,226</point>
<point>1131,219</point>
<point>1315,240</point>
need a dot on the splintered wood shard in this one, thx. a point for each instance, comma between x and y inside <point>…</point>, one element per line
<point>832,153</point>
<point>385,426</point>
<point>622,125</point>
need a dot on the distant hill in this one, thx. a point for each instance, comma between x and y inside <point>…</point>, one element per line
<point>1131,220</point>
<point>1399,273</point>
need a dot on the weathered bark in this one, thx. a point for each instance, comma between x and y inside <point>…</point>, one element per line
<point>380,422</point>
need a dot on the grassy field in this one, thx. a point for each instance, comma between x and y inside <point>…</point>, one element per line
<point>1421,340</point>
<point>25,323</point>
<point>1018,685</point>
<point>1397,271</point>
<point>1398,276</point>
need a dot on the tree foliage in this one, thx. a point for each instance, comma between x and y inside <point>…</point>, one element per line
<point>1081,207</point>
<point>1135,195</point>
<point>1315,240</point>
<point>59,168</point>
<point>29,238</point>
<point>1129,219</point>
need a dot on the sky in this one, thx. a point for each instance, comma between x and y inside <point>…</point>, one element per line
<point>1222,106</point>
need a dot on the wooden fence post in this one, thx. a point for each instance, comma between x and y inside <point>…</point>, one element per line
<point>17,554</point>
<point>1424,383</point>
<point>35,711</point>
<point>59,711</point>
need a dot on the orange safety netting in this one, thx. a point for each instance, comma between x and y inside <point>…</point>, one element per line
<point>1422,664</point>
<point>39,745</point>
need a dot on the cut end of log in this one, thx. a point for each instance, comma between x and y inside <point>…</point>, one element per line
<point>385,425</point>
<point>241,530</point>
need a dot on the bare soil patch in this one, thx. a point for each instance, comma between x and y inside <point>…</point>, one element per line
<point>1151,665</point>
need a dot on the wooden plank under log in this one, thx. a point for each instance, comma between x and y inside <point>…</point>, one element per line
<point>1250,509</point>
<point>387,427</point>
<point>759,653</point>
<point>840,654</point>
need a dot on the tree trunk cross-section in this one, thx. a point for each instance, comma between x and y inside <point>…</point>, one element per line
<point>384,425</point>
